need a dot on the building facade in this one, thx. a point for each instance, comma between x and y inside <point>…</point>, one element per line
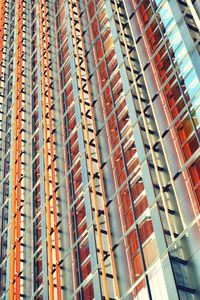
<point>99,149</point>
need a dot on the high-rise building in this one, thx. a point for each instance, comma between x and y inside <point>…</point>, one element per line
<point>99,149</point>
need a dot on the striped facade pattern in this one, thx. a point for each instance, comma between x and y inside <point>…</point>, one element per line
<point>99,149</point>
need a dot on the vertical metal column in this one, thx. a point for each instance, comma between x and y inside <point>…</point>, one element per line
<point>84,67</point>
<point>50,188</point>
<point>68,155</point>
<point>2,24</point>
<point>15,181</point>
<point>42,171</point>
<point>84,167</point>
